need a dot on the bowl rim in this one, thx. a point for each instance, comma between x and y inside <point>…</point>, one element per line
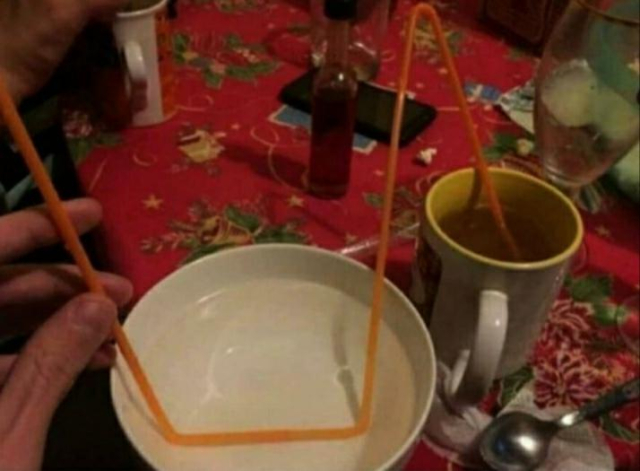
<point>430,383</point>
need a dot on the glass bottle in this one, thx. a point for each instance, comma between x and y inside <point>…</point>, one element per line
<point>333,107</point>
<point>368,32</point>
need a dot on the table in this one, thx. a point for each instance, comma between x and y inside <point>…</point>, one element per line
<point>223,172</point>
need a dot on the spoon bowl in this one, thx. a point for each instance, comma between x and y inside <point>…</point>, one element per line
<point>516,441</point>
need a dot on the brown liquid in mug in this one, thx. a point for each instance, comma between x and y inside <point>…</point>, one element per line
<point>477,231</point>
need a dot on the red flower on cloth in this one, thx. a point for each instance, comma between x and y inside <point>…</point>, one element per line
<point>566,378</point>
<point>568,325</point>
<point>207,229</point>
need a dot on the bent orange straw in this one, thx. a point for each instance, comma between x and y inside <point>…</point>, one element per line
<point>70,237</point>
<point>482,171</point>
<point>72,241</point>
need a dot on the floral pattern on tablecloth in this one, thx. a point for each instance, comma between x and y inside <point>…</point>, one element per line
<point>221,173</point>
<point>580,355</point>
<point>222,57</point>
<point>206,230</point>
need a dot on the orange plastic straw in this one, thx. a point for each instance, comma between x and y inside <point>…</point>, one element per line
<point>69,235</point>
<point>482,171</point>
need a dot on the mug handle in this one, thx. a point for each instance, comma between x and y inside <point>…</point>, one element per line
<point>475,370</point>
<point>137,74</point>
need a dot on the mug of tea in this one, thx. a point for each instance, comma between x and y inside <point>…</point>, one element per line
<point>143,36</point>
<point>485,309</point>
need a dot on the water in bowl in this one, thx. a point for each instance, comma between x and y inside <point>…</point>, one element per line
<point>291,356</point>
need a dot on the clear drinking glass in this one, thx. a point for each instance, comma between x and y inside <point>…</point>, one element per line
<point>587,110</point>
<point>367,34</point>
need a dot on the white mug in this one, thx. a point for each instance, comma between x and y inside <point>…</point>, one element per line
<point>144,40</point>
<point>484,314</point>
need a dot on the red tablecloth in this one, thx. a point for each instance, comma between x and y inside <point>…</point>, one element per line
<point>222,172</point>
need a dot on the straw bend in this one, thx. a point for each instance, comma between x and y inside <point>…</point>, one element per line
<point>70,237</point>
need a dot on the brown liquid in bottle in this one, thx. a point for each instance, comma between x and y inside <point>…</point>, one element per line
<point>333,107</point>
<point>331,142</point>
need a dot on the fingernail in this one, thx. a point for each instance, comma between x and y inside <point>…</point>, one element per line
<point>93,315</point>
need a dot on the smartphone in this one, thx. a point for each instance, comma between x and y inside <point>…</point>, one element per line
<point>374,109</point>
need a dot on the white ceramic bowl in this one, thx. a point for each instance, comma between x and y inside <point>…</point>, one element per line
<point>273,336</point>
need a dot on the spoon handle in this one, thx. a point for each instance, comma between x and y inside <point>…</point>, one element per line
<point>612,400</point>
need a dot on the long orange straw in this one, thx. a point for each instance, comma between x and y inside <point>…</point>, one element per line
<point>482,171</point>
<point>70,237</point>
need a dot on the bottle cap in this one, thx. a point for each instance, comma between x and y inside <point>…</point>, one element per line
<point>340,9</point>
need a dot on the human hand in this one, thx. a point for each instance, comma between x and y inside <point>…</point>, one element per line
<point>36,34</point>
<point>72,330</point>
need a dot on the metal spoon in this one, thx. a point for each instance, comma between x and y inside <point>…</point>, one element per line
<point>517,441</point>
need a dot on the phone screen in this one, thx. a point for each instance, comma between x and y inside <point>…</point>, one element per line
<point>374,112</point>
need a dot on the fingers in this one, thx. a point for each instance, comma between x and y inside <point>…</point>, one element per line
<point>21,284</point>
<point>24,231</point>
<point>43,373</point>
<point>6,363</point>
<point>30,293</point>
<point>105,357</point>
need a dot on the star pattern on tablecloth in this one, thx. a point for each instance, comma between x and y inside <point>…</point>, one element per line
<point>152,202</point>
<point>295,201</point>
<point>233,218</point>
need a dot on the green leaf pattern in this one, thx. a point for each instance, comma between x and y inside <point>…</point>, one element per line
<point>589,289</point>
<point>243,219</point>
<point>618,431</point>
<point>234,59</point>
<point>503,144</point>
<point>80,147</point>
<point>595,290</point>
<point>513,383</point>
<point>207,230</point>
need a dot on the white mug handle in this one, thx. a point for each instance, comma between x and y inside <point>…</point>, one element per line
<point>475,369</point>
<point>137,73</point>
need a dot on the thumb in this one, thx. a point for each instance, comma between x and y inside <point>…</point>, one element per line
<point>45,370</point>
